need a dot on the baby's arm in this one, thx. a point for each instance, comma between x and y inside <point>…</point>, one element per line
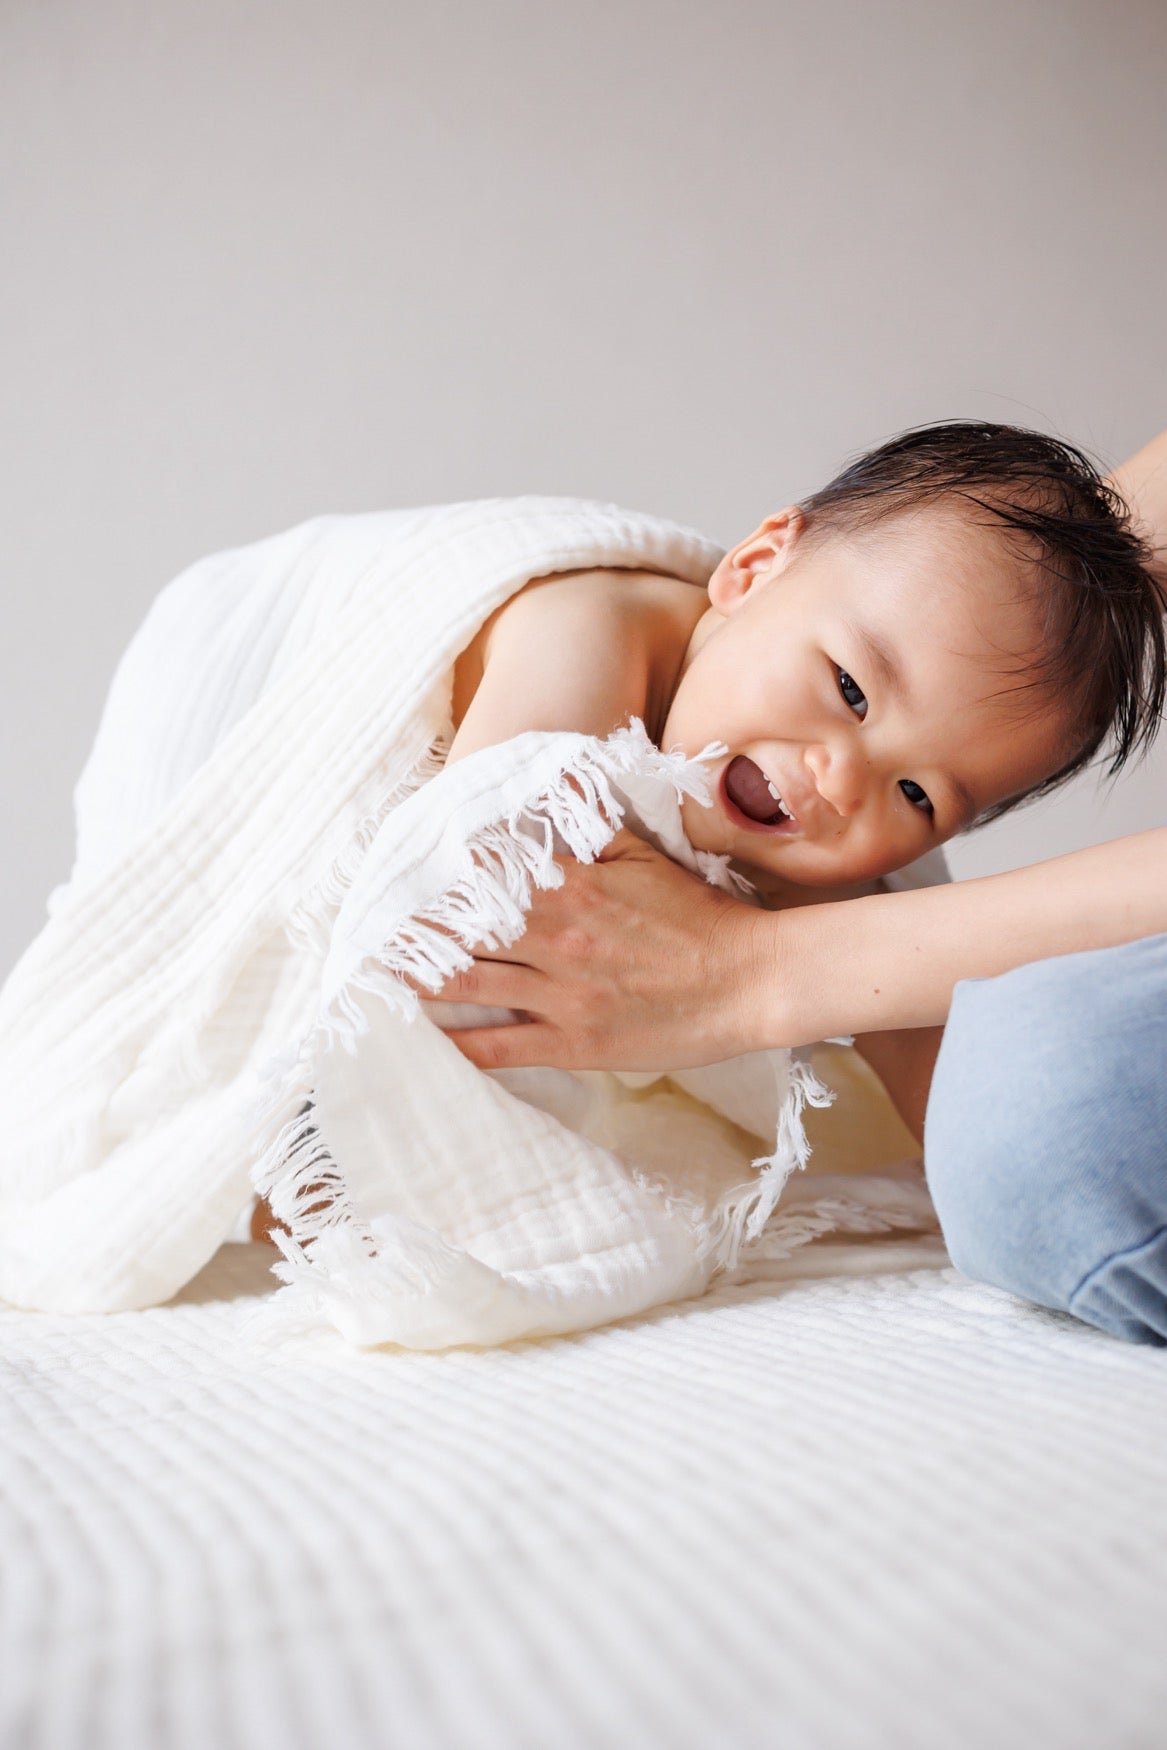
<point>568,652</point>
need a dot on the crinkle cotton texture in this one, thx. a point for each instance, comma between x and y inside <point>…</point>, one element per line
<point>268,845</point>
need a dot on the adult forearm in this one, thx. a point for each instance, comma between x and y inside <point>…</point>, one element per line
<point>634,964</point>
<point>892,960</point>
<point>1142,482</point>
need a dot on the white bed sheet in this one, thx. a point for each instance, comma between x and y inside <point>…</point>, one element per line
<point>884,1508</point>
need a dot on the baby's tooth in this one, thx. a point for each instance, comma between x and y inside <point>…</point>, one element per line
<point>773,792</point>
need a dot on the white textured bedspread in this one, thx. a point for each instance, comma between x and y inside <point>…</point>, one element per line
<point>874,1509</point>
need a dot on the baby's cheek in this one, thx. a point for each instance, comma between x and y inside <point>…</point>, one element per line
<point>704,827</point>
<point>848,864</point>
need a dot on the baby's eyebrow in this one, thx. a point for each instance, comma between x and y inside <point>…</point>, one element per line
<point>880,655</point>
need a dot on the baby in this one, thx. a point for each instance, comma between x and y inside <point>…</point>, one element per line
<point>958,621</point>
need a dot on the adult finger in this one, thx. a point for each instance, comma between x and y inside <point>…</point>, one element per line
<point>554,907</point>
<point>497,984</point>
<point>626,843</point>
<point>520,1045</point>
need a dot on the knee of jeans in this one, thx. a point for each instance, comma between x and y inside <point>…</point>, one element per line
<point>1019,1146</point>
<point>981,1142</point>
<point>1047,1132</point>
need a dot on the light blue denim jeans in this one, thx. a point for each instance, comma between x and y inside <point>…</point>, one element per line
<point>1046,1137</point>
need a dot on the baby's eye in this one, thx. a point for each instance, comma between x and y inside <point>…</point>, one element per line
<point>915,795</point>
<point>852,692</point>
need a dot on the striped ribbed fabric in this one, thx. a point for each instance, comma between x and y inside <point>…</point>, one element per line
<point>269,851</point>
<point>277,702</point>
<point>869,1511</point>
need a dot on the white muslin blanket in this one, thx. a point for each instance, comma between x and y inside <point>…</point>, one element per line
<point>268,844</point>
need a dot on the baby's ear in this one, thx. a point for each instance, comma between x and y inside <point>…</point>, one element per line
<point>759,557</point>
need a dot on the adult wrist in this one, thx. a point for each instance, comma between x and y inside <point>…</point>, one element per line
<point>811,972</point>
<point>775,992</point>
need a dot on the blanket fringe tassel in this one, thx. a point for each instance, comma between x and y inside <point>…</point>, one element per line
<point>309,924</point>
<point>486,904</point>
<point>743,1212</point>
<point>488,901</point>
<point>793,1228</point>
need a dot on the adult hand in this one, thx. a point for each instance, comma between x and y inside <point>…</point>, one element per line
<point>632,964</point>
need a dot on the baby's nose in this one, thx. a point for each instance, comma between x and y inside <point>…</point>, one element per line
<point>840,778</point>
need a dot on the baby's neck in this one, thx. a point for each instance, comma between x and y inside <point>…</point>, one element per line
<point>779,895</point>
<point>676,633</point>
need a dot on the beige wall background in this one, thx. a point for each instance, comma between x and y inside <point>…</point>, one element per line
<point>267,259</point>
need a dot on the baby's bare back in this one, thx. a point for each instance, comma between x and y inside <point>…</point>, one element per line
<point>578,650</point>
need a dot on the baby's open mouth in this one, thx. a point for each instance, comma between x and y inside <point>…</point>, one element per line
<point>752,793</point>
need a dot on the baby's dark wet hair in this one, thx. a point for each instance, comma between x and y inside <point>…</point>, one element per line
<point>1102,650</point>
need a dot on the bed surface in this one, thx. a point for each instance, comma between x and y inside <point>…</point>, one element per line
<point>883,1507</point>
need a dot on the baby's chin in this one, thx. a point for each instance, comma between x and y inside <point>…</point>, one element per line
<point>788,863</point>
<point>784,886</point>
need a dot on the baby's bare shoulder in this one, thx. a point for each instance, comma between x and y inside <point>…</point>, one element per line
<point>625,609</point>
<point>580,650</point>
<point>594,611</point>
<point>601,591</point>
<point>593,615</point>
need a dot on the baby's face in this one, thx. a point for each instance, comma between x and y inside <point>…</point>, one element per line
<point>862,686</point>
